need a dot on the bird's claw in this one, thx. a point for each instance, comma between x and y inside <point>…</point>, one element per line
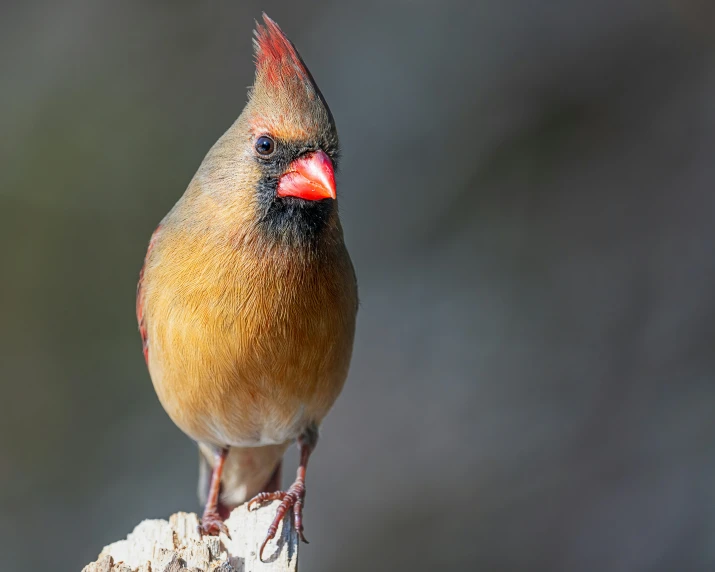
<point>212,524</point>
<point>292,498</point>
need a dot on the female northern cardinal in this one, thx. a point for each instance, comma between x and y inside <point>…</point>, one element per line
<point>247,299</point>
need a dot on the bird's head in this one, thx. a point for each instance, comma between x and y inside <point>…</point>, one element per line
<point>279,158</point>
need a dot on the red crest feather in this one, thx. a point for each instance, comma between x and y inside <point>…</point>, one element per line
<point>276,55</point>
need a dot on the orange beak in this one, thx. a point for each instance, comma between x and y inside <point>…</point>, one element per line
<point>310,177</point>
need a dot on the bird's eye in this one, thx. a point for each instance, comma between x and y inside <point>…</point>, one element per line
<point>265,145</point>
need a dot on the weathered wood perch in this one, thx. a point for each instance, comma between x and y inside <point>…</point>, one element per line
<point>161,546</point>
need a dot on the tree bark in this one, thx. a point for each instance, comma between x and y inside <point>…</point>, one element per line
<point>161,546</point>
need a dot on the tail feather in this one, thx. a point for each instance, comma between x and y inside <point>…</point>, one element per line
<point>247,471</point>
<point>274,483</point>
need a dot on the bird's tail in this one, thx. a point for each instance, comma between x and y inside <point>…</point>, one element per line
<point>247,471</point>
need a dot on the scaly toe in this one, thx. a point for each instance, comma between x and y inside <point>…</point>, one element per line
<point>213,525</point>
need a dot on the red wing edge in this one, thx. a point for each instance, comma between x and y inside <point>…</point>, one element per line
<point>140,299</point>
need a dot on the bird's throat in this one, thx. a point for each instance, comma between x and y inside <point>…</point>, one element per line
<point>293,221</point>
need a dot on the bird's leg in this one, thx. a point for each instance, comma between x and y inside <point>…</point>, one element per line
<point>211,521</point>
<point>295,495</point>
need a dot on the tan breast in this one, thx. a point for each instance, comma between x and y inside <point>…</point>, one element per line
<point>247,342</point>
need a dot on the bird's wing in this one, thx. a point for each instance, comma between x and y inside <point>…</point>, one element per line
<point>140,298</point>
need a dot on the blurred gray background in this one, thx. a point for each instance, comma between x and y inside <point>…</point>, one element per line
<point>528,192</point>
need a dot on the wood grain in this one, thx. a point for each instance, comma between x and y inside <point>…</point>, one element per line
<point>175,545</point>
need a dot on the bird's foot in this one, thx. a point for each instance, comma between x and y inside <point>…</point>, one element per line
<point>292,498</point>
<point>212,524</point>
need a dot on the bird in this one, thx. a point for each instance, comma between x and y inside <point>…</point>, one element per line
<point>247,298</point>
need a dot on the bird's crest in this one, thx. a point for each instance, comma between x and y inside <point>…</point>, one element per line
<point>277,59</point>
<point>285,99</point>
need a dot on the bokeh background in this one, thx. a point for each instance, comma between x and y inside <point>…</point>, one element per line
<point>528,192</point>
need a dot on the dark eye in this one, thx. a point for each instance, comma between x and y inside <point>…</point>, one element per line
<point>265,145</point>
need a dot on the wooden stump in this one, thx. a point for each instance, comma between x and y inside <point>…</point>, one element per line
<point>161,546</point>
